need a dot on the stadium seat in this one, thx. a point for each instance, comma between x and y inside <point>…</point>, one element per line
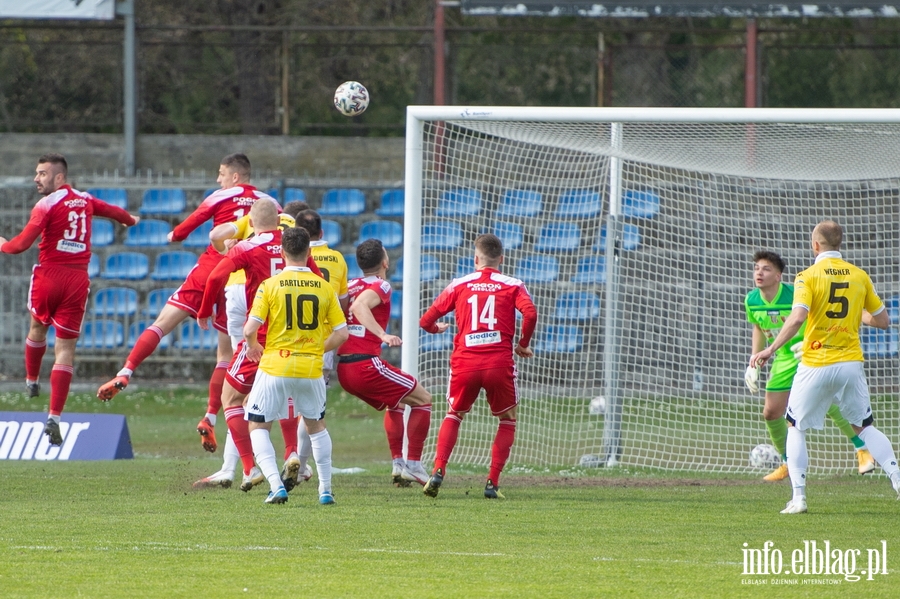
<point>135,330</point>
<point>429,269</point>
<point>173,266</point>
<point>631,238</point>
<point>292,194</point>
<point>389,232</point>
<point>396,303</point>
<point>51,336</point>
<point>156,299</point>
<point>464,266</point>
<point>877,343</point>
<point>558,237</point>
<point>437,342</point>
<point>590,269</point>
<point>199,237</point>
<point>892,305</point>
<point>537,269</point>
<point>115,301</point>
<point>640,204</point>
<point>332,232</point>
<point>577,305</point>
<point>126,265</point>
<point>163,201</point>
<point>441,236</point>
<point>209,192</point>
<point>521,202</point>
<point>94,266</point>
<point>509,233</point>
<point>117,196</point>
<point>343,202</point>
<point>102,233</point>
<point>560,339</point>
<point>191,336</point>
<point>150,232</point>
<point>392,203</point>
<point>578,203</point>
<point>101,334</point>
<point>353,269</point>
<point>459,202</point>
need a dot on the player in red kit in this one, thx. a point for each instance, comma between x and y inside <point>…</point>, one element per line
<point>379,384</point>
<point>59,281</point>
<point>485,304</point>
<point>231,202</point>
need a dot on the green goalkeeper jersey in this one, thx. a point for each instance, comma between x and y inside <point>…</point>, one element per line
<point>770,316</point>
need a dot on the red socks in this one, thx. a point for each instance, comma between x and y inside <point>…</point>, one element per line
<point>216,382</point>
<point>417,430</point>
<point>446,440</point>
<point>506,434</point>
<point>34,353</point>
<point>240,434</point>
<point>145,345</point>
<point>60,380</point>
<point>393,427</point>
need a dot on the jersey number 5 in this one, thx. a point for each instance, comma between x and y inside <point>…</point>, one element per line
<point>486,317</point>
<point>834,298</point>
<point>301,300</point>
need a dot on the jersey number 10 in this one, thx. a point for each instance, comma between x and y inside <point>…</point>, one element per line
<point>301,300</point>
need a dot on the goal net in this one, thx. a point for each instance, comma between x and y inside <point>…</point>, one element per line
<point>634,231</point>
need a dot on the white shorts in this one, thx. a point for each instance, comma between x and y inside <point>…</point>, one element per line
<point>268,399</point>
<point>236,312</point>
<point>816,389</point>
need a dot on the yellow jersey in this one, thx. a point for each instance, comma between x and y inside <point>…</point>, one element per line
<point>835,293</point>
<point>243,230</point>
<point>296,304</point>
<point>333,266</point>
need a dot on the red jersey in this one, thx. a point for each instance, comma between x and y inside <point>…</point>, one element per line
<point>223,206</point>
<point>63,220</point>
<point>362,340</point>
<point>485,303</point>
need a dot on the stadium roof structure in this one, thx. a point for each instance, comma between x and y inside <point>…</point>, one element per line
<point>681,8</point>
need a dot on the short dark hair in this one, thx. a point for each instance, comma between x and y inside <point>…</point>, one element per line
<point>56,160</point>
<point>489,245</point>
<point>369,254</point>
<point>295,242</point>
<point>294,208</point>
<point>239,163</point>
<point>770,257</point>
<point>311,221</point>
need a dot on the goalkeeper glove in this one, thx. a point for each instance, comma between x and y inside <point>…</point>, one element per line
<point>751,377</point>
<point>797,348</point>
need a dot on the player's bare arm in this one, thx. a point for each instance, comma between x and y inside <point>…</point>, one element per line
<point>788,332</point>
<point>523,352</point>
<point>337,337</point>
<point>882,320</point>
<point>254,349</point>
<point>220,234</point>
<point>361,310</point>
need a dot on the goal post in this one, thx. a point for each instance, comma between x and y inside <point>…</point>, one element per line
<point>634,230</point>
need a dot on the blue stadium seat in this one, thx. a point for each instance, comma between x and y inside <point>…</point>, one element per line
<point>163,201</point>
<point>558,237</point>
<point>115,301</point>
<point>199,237</point>
<point>353,269</point>
<point>560,338</point>
<point>292,194</point>
<point>537,269</point>
<point>577,305</point>
<point>877,343</point>
<point>578,203</point>
<point>209,192</point>
<point>156,299</point>
<point>438,342</point>
<point>441,236</point>
<point>521,202</point>
<point>389,232</point>
<point>392,203</point>
<point>343,202</point>
<point>173,266</point>
<point>464,266</point>
<point>429,269</point>
<point>126,265</point>
<point>94,266</point>
<point>102,233</point>
<point>459,202</point>
<point>135,330</point>
<point>396,303</point>
<point>631,238</point>
<point>590,269</point>
<point>51,336</point>
<point>332,232</point>
<point>191,336</point>
<point>148,232</point>
<point>640,204</point>
<point>101,334</point>
<point>892,305</point>
<point>117,196</point>
<point>509,233</point>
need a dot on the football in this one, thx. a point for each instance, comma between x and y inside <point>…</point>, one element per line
<point>765,456</point>
<point>351,98</point>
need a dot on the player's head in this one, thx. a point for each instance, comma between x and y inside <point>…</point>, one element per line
<point>372,258</point>
<point>264,215</point>
<point>295,246</point>
<point>294,208</point>
<point>488,251</point>
<point>234,169</point>
<point>312,222</point>
<point>51,173</point>
<point>767,268</point>
<point>827,236</point>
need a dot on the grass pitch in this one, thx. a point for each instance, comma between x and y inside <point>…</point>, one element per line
<point>137,529</point>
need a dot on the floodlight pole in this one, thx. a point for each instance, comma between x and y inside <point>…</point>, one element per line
<point>125,8</point>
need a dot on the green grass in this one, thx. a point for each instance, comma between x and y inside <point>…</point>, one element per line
<point>137,529</point>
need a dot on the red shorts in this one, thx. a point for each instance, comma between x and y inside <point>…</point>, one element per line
<point>375,382</point>
<point>189,296</point>
<point>241,372</point>
<point>499,385</point>
<point>58,296</point>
